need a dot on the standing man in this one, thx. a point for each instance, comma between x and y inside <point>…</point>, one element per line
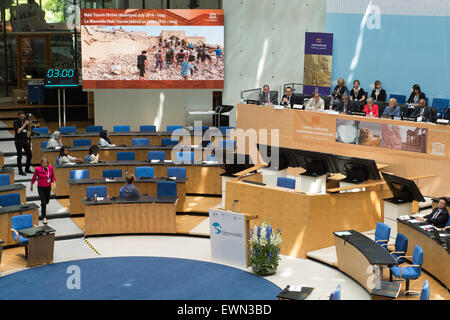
<point>266,98</point>
<point>21,127</point>
<point>142,65</point>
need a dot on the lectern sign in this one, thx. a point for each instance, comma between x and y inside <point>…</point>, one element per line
<point>228,238</point>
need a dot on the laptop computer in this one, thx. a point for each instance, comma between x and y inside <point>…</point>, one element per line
<point>441,237</point>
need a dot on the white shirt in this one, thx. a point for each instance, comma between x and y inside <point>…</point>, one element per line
<point>314,105</point>
<point>104,143</point>
<point>66,159</point>
<point>53,143</point>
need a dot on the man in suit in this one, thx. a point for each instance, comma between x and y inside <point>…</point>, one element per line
<point>345,105</point>
<point>267,98</point>
<point>439,216</point>
<point>423,111</point>
<point>288,98</point>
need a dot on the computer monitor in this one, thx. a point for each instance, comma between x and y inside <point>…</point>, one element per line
<point>233,163</point>
<point>298,98</point>
<point>404,190</point>
<point>357,170</point>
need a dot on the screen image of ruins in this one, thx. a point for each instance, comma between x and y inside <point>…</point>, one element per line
<point>130,50</point>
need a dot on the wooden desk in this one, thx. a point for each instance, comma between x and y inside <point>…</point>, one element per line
<point>436,260</point>
<point>145,186</point>
<point>316,131</point>
<point>148,215</point>
<point>40,246</point>
<point>201,178</point>
<point>6,213</point>
<point>10,172</point>
<point>15,188</point>
<point>358,256</point>
<point>2,159</point>
<point>307,221</point>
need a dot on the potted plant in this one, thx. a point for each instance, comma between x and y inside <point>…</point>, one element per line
<point>264,249</point>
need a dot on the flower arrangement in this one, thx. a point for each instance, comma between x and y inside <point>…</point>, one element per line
<point>264,249</point>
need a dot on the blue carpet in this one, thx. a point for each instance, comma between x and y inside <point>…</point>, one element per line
<point>134,278</point>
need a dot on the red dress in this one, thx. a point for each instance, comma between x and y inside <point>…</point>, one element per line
<point>374,110</point>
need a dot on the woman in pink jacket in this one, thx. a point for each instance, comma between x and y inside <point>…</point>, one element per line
<point>45,177</point>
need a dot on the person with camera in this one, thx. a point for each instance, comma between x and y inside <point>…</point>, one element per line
<point>21,127</point>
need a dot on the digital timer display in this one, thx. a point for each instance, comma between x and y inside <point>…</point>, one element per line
<point>60,78</point>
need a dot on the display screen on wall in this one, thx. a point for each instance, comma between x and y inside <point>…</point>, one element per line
<point>152,49</point>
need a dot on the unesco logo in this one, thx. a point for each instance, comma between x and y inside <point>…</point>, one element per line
<point>218,227</point>
<point>319,40</point>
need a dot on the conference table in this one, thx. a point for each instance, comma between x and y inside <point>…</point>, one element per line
<point>410,149</point>
<point>436,259</point>
<point>15,188</point>
<point>118,216</point>
<point>363,259</point>
<point>203,178</point>
<point>9,171</point>
<point>146,186</point>
<point>6,213</point>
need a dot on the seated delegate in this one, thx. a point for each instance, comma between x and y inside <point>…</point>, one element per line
<point>266,98</point>
<point>315,103</point>
<point>339,91</point>
<point>423,112</point>
<point>439,216</point>
<point>415,96</point>
<point>371,109</point>
<point>345,106</point>
<point>93,156</point>
<point>55,140</point>
<point>66,158</point>
<point>104,140</point>
<point>357,93</point>
<point>129,191</point>
<point>288,98</point>
<point>393,109</point>
<point>378,93</point>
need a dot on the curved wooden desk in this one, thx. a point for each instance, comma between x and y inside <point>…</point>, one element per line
<point>145,186</point>
<point>6,213</point>
<point>147,215</point>
<point>436,259</point>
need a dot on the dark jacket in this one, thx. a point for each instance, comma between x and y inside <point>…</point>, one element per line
<point>291,101</point>
<point>339,92</point>
<point>351,106</point>
<point>129,192</point>
<point>381,95</point>
<point>427,114</point>
<point>411,97</point>
<point>359,96</point>
<point>272,98</point>
<point>441,219</point>
<point>22,135</point>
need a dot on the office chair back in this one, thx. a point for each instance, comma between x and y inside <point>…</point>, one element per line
<point>401,245</point>
<point>336,294</point>
<point>448,222</point>
<point>94,128</point>
<point>4,180</point>
<point>10,199</point>
<point>114,173</point>
<point>81,142</point>
<point>67,130</point>
<point>43,130</point>
<point>44,144</point>
<point>173,128</point>
<point>202,128</point>
<point>140,142</point>
<point>168,142</point>
<point>147,128</point>
<point>92,190</point>
<point>286,183</point>
<point>156,155</point>
<point>86,159</point>
<point>185,156</point>
<point>126,156</point>
<point>400,98</point>
<point>228,144</point>
<point>382,232</point>
<point>178,172</point>
<point>166,189</point>
<point>79,174</point>
<point>425,293</point>
<point>20,222</point>
<point>144,172</point>
<point>211,157</point>
<point>442,106</point>
<point>121,129</point>
<point>418,259</point>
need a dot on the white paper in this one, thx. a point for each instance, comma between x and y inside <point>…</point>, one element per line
<point>414,221</point>
<point>297,106</point>
<point>295,288</point>
<point>167,161</point>
<point>155,161</point>
<point>100,198</point>
<point>343,233</point>
<point>109,180</point>
<point>406,217</point>
<point>426,227</point>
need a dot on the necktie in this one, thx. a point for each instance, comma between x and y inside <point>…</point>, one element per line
<point>267,99</point>
<point>345,107</point>
<point>436,214</point>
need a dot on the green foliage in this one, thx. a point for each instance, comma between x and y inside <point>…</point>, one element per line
<point>55,10</point>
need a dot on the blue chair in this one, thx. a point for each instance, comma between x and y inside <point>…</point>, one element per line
<point>409,272</point>
<point>140,142</point>
<point>211,157</point>
<point>44,144</point>
<point>43,130</point>
<point>57,160</point>
<point>202,128</point>
<point>441,105</point>
<point>168,142</point>
<point>156,155</point>
<point>126,156</point>
<point>382,234</point>
<point>94,128</point>
<point>185,156</point>
<point>20,222</point>
<point>4,180</point>
<point>228,144</point>
<point>86,159</point>
<point>121,129</point>
<point>79,174</point>
<point>144,172</point>
<point>10,199</point>
<point>425,293</point>
<point>173,128</point>
<point>147,128</point>
<point>67,130</point>
<point>166,189</point>
<point>225,130</point>
<point>177,172</point>
<point>286,183</point>
<point>99,190</point>
<point>336,294</point>
<point>448,223</point>
<point>401,246</point>
<point>114,173</point>
<point>81,142</point>
<point>400,98</point>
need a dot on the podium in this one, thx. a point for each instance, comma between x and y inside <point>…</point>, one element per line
<point>271,176</point>
<point>229,236</point>
<point>313,184</point>
<point>393,211</point>
<point>41,243</point>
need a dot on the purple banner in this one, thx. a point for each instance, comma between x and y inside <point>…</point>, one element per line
<point>323,91</point>
<point>319,43</point>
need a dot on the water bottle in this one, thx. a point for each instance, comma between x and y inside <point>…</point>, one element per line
<point>95,197</point>
<point>126,173</point>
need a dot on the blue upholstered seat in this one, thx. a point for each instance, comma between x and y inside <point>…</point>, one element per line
<point>94,128</point>
<point>140,142</point>
<point>92,190</point>
<point>145,128</point>
<point>401,246</point>
<point>43,130</point>
<point>4,180</point>
<point>79,174</point>
<point>173,128</point>
<point>286,183</point>
<point>382,234</point>
<point>425,293</point>
<point>156,155</point>
<point>178,172</point>
<point>81,142</point>
<point>10,199</point>
<point>168,142</point>
<point>67,129</point>
<point>126,156</point>
<point>20,222</point>
<point>166,189</point>
<point>336,294</point>
<point>121,128</point>
<point>114,173</point>
<point>144,172</point>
